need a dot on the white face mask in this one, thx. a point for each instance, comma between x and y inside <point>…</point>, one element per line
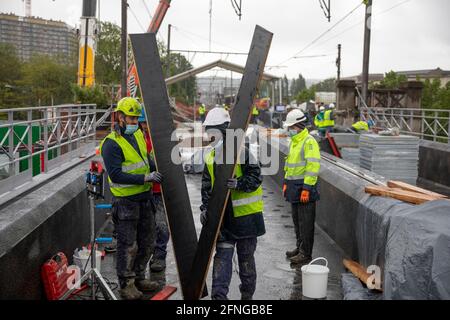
<point>292,132</point>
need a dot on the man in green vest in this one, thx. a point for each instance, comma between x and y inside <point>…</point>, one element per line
<point>130,179</point>
<point>255,114</point>
<point>202,112</point>
<point>243,221</point>
<point>319,118</point>
<point>328,120</point>
<point>362,126</point>
<point>300,184</point>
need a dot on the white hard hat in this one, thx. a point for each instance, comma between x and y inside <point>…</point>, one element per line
<point>293,117</point>
<point>321,108</point>
<point>331,106</point>
<point>216,116</point>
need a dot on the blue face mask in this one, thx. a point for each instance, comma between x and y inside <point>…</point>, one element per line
<point>292,132</point>
<point>131,128</point>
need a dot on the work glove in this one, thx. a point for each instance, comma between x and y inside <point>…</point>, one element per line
<point>232,183</point>
<point>203,217</point>
<point>153,177</point>
<point>304,196</point>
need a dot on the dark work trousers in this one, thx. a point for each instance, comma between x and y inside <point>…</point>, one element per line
<point>162,230</point>
<point>304,216</point>
<point>134,224</point>
<point>223,268</point>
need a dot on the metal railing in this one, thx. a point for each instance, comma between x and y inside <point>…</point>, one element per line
<point>428,124</point>
<point>59,131</point>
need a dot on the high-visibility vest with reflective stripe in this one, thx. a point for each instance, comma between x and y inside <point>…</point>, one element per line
<point>360,126</point>
<point>327,121</point>
<point>303,160</point>
<point>244,203</point>
<point>201,110</point>
<point>134,163</point>
<point>255,111</point>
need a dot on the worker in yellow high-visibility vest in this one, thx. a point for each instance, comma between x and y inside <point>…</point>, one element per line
<point>255,114</point>
<point>202,112</point>
<point>130,177</point>
<point>300,184</point>
<point>243,220</point>
<point>328,119</point>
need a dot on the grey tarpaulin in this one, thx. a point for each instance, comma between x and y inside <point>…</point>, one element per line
<point>352,289</point>
<point>411,244</point>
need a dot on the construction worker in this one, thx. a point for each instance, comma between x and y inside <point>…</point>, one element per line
<point>300,184</point>
<point>255,114</point>
<point>243,221</point>
<point>362,126</point>
<point>130,178</point>
<point>328,120</point>
<point>318,119</point>
<point>226,107</point>
<point>158,260</point>
<point>202,112</point>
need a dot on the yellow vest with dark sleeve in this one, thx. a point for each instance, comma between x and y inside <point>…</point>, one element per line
<point>303,160</point>
<point>327,121</point>
<point>244,203</point>
<point>134,163</point>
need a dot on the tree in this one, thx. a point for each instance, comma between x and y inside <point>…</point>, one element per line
<point>10,75</point>
<point>306,95</point>
<point>297,85</point>
<point>391,80</point>
<point>47,81</point>
<point>94,94</point>
<point>107,56</point>
<point>327,85</point>
<point>434,96</point>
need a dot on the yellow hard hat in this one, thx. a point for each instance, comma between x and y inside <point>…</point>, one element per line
<point>129,106</point>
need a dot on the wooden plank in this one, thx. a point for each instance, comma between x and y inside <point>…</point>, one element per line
<point>408,187</point>
<point>399,194</point>
<point>240,118</point>
<point>358,271</point>
<point>160,121</point>
<point>165,293</point>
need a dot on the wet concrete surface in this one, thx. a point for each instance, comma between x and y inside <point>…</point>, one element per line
<point>277,279</point>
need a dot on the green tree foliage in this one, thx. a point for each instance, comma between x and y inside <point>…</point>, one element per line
<point>10,75</point>
<point>434,96</point>
<point>92,94</point>
<point>327,85</point>
<point>391,81</point>
<point>306,95</point>
<point>297,85</point>
<point>48,81</point>
<point>107,57</point>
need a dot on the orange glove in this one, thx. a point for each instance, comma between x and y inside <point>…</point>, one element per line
<point>284,189</point>
<point>304,196</point>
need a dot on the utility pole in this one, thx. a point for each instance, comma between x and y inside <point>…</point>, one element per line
<point>365,72</point>
<point>338,63</point>
<point>210,22</point>
<point>169,27</point>
<point>124,50</point>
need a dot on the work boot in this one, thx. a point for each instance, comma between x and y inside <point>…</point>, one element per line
<point>300,259</point>
<point>130,292</point>
<point>146,285</point>
<point>292,253</point>
<point>157,265</point>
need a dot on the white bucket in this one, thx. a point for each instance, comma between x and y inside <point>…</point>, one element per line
<point>315,280</point>
<point>81,258</point>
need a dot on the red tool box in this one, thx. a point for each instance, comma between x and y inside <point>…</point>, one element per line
<point>54,275</point>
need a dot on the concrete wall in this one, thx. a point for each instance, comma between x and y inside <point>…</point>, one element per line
<point>50,219</point>
<point>434,166</point>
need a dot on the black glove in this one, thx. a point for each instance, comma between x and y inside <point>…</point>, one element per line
<point>232,183</point>
<point>203,217</point>
<point>153,177</point>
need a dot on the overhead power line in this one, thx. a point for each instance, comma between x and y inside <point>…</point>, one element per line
<point>324,33</point>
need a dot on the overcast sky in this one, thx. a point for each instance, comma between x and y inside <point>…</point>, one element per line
<point>413,35</point>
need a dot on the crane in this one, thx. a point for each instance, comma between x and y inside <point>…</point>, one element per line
<point>158,17</point>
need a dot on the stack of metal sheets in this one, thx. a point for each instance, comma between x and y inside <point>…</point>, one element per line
<point>395,158</point>
<point>351,155</point>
